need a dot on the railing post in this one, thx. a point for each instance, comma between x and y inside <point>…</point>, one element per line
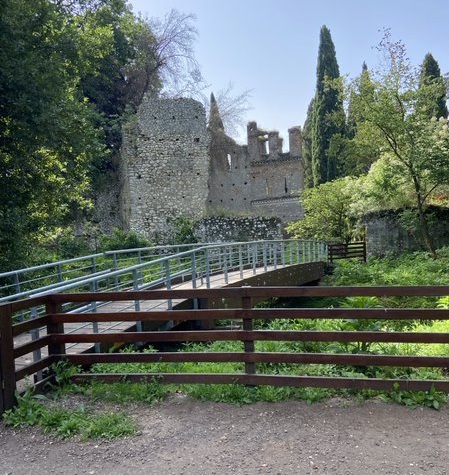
<point>240,261</point>
<point>94,265</point>
<point>254,258</point>
<point>168,283</point>
<point>114,257</point>
<point>136,278</point>
<point>264,254</point>
<point>248,345</point>
<point>59,272</point>
<point>7,363</point>
<point>193,260</point>
<point>207,269</point>
<point>17,282</point>
<point>225,265</point>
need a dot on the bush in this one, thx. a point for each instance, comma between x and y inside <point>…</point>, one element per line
<point>123,240</point>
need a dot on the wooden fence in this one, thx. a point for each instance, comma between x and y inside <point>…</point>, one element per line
<point>347,251</point>
<point>54,340</point>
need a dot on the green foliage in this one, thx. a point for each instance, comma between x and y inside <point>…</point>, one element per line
<point>124,392</point>
<point>415,147</point>
<point>328,114</point>
<point>307,147</point>
<point>430,75</point>
<point>432,399</point>
<point>328,214</point>
<point>36,410</point>
<point>123,240</point>
<point>182,231</point>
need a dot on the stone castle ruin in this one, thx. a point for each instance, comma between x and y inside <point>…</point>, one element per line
<point>174,165</point>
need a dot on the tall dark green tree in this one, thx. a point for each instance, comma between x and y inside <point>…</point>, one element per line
<point>307,147</point>
<point>429,78</point>
<point>328,112</point>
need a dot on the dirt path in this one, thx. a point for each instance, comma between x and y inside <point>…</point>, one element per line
<point>182,436</point>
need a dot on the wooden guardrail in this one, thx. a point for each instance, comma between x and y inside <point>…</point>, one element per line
<point>55,340</point>
<point>347,251</point>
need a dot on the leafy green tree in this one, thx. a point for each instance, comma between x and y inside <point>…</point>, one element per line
<point>431,79</point>
<point>328,213</point>
<point>358,155</point>
<point>415,147</point>
<point>48,137</point>
<point>328,113</point>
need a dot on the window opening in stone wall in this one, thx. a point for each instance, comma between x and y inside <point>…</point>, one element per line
<point>285,185</point>
<point>229,161</point>
<point>197,139</point>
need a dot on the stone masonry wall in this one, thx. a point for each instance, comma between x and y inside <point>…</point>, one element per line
<point>222,229</point>
<point>253,179</point>
<point>385,235</point>
<point>164,166</point>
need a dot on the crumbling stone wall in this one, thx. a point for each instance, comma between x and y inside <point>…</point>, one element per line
<point>165,164</point>
<point>173,166</point>
<point>253,179</point>
<point>240,229</point>
<point>385,234</point>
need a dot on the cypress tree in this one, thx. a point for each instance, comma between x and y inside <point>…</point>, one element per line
<point>307,147</point>
<point>328,112</point>
<point>431,77</point>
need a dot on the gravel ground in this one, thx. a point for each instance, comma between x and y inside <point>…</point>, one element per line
<point>183,436</point>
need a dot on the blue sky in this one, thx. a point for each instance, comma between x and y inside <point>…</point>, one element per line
<point>271,46</point>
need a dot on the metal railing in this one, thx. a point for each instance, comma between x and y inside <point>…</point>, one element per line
<point>145,268</point>
<point>22,283</point>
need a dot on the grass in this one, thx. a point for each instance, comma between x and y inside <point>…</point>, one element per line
<point>53,417</point>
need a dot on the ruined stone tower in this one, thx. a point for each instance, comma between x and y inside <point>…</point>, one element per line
<point>165,164</point>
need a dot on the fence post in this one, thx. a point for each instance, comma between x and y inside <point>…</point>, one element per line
<point>7,363</point>
<point>51,308</point>
<point>248,345</point>
<point>37,354</point>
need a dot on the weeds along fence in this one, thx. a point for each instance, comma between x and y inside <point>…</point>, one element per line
<point>247,328</point>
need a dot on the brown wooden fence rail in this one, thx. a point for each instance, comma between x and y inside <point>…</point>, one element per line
<point>55,340</point>
<point>347,251</point>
